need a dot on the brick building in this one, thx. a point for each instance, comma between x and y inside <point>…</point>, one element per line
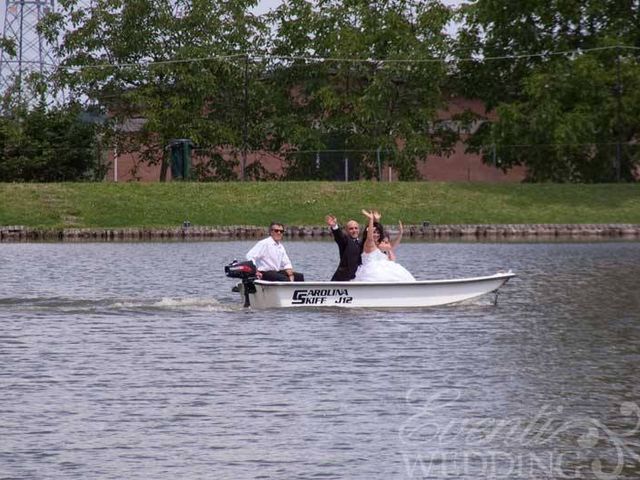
<point>459,166</point>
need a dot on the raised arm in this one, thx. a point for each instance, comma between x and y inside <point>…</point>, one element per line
<point>396,241</point>
<point>331,221</point>
<point>370,245</point>
<point>336,231</point>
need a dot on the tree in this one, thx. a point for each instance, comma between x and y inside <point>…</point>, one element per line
<point>178,66</point>
<point>212,72</point>
<point>364,76</point>
<point>564,91</point>
<point>48,145</point>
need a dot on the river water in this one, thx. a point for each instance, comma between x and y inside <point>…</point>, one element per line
<point>135,360</point>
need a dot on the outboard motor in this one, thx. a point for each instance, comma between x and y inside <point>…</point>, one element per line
<point>242,270</point>
<point>245,271</point>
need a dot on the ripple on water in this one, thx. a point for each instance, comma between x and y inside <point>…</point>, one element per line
<point>136,361</point>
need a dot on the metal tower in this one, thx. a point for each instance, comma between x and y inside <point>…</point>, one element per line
<point>32,54</point>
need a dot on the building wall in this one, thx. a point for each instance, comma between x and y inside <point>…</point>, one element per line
<point>128,168</point>
<point>461,166</point>
<point>131,169</point>
<point>466,167</point>
<point>457,167</point>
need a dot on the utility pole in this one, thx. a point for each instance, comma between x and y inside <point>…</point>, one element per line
<point>21,18</point>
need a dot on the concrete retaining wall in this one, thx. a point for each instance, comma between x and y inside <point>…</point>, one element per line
<point>444,232</point>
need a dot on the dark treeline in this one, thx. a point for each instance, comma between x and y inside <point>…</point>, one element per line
<point>559,80</point>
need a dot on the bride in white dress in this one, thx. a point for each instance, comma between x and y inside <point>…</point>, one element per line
<point>376,266</point>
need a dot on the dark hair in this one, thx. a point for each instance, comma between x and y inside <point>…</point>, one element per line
<point>377,226</point>
<point>274,224</point>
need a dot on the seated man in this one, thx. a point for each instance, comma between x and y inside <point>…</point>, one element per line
<point>271,259</point>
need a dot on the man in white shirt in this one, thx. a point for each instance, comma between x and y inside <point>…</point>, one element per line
<point>271,259</point>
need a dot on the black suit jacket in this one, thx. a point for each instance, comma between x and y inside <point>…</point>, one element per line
<point>349,256</point>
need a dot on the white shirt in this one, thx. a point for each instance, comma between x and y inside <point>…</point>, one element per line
<point>269,255</point>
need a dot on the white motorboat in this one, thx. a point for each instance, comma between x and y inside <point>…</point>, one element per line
<point>424,293</point>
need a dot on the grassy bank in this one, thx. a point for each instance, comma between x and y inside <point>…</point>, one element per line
<point>109,205</point>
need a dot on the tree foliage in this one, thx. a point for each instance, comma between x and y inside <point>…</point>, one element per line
<point>355,79</point>
<point>363,106</point>
<point>565,95</point>
<point>136,58</point>
<point>48,145</point>
<point>178,65</point>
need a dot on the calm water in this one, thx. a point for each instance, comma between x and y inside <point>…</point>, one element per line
<point>135,361</point>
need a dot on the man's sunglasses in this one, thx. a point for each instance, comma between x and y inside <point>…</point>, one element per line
<point>278,230</point>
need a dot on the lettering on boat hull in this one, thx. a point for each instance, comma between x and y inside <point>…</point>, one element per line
<point>324,296</point>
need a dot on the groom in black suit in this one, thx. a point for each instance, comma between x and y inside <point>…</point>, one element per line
<point>350,248</point>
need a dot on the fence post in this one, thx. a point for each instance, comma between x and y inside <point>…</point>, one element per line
<point>346,168</point>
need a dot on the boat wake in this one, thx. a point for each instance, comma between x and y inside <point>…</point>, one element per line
<point>115,305</point>
<point>202,304</point>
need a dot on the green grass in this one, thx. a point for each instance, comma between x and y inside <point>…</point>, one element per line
<point>109,205</point>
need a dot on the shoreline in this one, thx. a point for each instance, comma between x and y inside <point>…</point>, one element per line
<point>502,232</point>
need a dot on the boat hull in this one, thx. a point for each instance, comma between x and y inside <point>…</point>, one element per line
<point>425,293</point>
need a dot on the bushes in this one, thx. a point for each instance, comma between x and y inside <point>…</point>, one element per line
<point>48,145</point>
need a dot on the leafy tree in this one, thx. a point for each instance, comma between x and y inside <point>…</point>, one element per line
<point>200,70</point>
<point>565,93</point>
<point>177,66</point>
<point>388,101</point>
<point>48,145</point>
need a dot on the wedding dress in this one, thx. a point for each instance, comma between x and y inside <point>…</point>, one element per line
<point>376,267</point>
